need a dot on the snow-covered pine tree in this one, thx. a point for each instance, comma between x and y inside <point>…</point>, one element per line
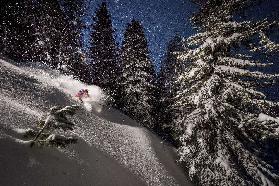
<point>57,118</point>
<point>39,31</point>
<point>4,29</point>
<point>15,28</point>
<point>33,30</point>
<point>49,25</point>
<point>74,9</point>
<point>138,75</point>
<point>166,86</point>
<point>105,67</point>
<point>73,55</point>
<point>228,136</point>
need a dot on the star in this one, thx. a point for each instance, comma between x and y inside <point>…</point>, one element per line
<point>162,20</point>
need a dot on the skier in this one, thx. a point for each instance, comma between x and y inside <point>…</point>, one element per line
<point>83,93</point>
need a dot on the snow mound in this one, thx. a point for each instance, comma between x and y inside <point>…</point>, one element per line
<point>112,149</point>
<point>67,84</point>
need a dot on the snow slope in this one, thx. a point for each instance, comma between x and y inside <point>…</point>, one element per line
<point>112,149</point>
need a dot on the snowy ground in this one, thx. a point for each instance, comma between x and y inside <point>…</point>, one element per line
<point>112,149</point>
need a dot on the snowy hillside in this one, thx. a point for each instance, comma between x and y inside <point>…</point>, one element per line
<point>112,149</point>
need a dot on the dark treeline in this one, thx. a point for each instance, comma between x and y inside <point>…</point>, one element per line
<point>105,66</point>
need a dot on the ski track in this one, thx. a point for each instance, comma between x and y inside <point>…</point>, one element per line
<point>129,145</point>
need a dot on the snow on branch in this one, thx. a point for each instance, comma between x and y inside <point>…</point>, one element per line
<point>267,44</point>
<point>235,62</point>
<point>222,117</point>
<point>232,71</point>
<point>239,88</point>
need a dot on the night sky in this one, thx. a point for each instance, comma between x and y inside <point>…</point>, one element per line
<point>162,19</point>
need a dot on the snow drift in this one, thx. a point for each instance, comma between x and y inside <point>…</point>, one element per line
<point>66,84</point>
<point>112,149</point>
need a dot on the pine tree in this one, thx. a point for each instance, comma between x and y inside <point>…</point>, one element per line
<point>76,63</point>
<point>170,69</point>
<point>47,25</point>
<point>138,75</point>
<point>74,9</point>
<point>4,29</point>
<point>15,28</point>
<point>229,133</point>
<point>105,67</point>
<point>34,30</point>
